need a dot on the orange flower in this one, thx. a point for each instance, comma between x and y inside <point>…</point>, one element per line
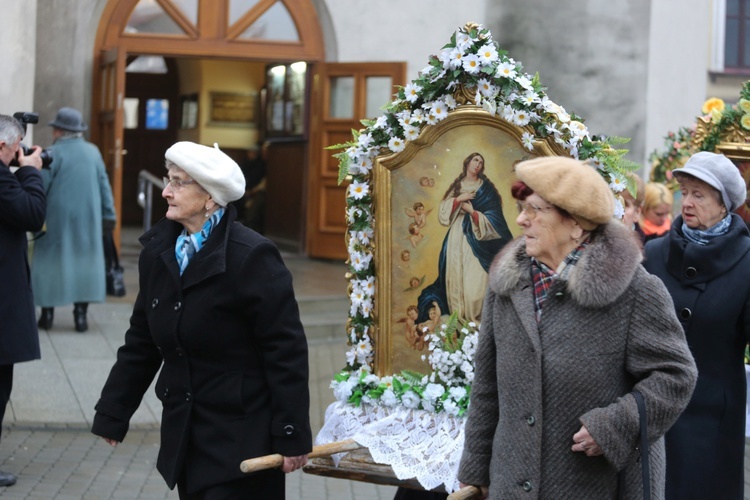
<point>711,104</point>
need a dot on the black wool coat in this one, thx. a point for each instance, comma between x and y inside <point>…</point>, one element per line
<point>232,352</point>
<point>22,208</point>
<point>710,287</point>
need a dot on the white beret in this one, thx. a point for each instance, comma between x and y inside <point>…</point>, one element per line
<point>214,171</point>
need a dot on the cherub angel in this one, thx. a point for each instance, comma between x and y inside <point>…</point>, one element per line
<point>416,235</point>
<point>414,283</point>
<point>431,324</point>
<point>410,332</point>
<point>418,213</point>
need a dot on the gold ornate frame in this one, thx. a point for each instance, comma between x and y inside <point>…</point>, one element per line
<point>467,115</point>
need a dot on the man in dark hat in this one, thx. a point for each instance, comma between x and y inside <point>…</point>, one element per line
<point>68,265</point>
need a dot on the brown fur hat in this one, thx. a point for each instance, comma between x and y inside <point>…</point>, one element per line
<point>571,185</point>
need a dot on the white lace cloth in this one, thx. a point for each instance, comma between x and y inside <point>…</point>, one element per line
<point>415,443</point>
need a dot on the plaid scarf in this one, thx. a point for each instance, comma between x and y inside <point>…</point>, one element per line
<point>543,277</point>
<point>188,244</point>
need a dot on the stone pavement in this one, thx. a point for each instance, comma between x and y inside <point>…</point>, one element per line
<point>45,435</point>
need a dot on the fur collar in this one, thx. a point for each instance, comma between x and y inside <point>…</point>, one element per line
<point>602,274</point>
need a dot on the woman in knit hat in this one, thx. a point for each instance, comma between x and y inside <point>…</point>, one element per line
<point>705,263</point>
<point>216,313</point>
<point>572,324</point>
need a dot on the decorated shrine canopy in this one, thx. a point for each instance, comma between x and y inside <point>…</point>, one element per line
<point>426,216</point>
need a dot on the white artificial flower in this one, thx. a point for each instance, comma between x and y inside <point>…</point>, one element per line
<point>528,141</point>
<point>428,405</point>
<point>450,407</point>
<point>351,357</point>
<point>343,390</point>
<point>366,308</point>
<point>360,261</point>
<point>578,129</point>
<point>552,129</point>
<point>365,235</point>
<point>463,41</point>
<point>417,115</point>
<point>617,182</point>
<point>457,393</point>
<point>371,379</point>
<point>487,54</point>
<point>471,64</point>
<point>508,113</point>
<point>364,162</point>
<point>358,190</point>
<point>450,101</point>
<point>433,391</point>
<point>410,399</point>
<point>445,58</point>
<point>486,88</point>
<point>411,91</point>
<point>506,69</point>
<point>364,140</point>
<point>439,76</point>
<point>524,81</point>
<point>410,132</point>
<point>381,122</point>
<point>388,398</point>
<point>521,117</point>
<point>396,144</point>
<point>352,213</point>
<point>619,209</point>
<point>431,119</point>
<point>456,59</point>
<point>439,110</point>
<point>529,98</point>
<point>363,347</point>
<point>427,69</point>
<point>490,106</point>
<point>544,103</point>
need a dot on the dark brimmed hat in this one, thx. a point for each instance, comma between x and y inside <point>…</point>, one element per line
<point>69,119</point>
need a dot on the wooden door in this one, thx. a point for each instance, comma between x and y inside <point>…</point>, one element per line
<point>342,95</point>
<point>108,132</point>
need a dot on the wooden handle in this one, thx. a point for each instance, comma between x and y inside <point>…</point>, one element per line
<point>466,493</point>
<point>277,460</point>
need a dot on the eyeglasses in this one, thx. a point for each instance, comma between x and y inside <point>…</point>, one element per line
<point>176,183</point>
<point>531,209</point>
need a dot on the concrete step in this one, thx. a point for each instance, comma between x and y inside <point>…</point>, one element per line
<point>324,317</point>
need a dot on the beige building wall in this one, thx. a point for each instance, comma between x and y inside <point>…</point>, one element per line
<point>19,49</point>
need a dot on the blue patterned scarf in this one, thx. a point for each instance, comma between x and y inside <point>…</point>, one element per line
<point>188,244</point>
<point>704,237</point>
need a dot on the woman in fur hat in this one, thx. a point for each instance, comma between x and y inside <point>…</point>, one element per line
<point>705,263</point>
<point>216,313</point>
<point>572,324</point>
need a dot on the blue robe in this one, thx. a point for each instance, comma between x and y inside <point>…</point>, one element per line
<point>487,201</point>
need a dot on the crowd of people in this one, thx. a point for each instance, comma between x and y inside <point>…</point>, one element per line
<point>583,314</point>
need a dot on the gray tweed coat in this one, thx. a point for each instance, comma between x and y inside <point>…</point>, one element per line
<point>609,328</point>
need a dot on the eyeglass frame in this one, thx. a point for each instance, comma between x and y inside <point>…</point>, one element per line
<point>530,209</point>
<point>175,183</point>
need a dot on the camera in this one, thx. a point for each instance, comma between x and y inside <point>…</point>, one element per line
<point>25,117</point>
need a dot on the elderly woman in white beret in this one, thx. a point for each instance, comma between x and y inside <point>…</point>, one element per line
<point>216,313</point>
<point>571,325</point>
<point>705,263</point>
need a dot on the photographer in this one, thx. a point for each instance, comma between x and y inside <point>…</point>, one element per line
<point>22,209</point>
<point>68,265</point>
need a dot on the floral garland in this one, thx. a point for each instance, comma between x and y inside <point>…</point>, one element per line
<point>677,149</point>
<point>716,123</point>
<point>471,62</point>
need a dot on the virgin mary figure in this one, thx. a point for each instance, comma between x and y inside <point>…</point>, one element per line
<point>472,210</point>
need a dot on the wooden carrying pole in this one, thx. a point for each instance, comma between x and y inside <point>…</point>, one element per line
<point>466,493</point>
<point>277,460</point>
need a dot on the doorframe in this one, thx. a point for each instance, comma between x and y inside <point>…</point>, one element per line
<point>211,38</point>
